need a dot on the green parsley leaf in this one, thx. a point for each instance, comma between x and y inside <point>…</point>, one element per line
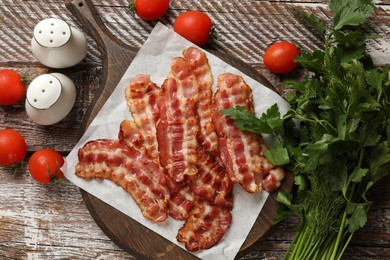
<point>358,218</point>
<point>277,154</point>
<point>350,13</point>
<point>245,120</point>
<point>358,174</point>
<point>316,23</point>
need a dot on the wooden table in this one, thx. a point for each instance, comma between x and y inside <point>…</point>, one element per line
<point>51,222</point>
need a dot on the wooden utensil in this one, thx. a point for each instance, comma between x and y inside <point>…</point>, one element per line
<point>124,231</point>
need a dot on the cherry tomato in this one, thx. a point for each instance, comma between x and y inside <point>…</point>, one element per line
<point>44,165</point>
<point>150,9</point>
<point>195,26</point>
<point>279,57</point>
<point>12,89</point>
<point>12,147</point>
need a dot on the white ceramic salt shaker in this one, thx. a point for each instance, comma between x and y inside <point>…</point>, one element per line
<point>50,98</point>
<point>57,45</point>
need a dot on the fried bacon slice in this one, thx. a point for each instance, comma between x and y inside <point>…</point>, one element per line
<point>205,226</point>
<point>178,124</point>
<point>141,98</point>
<point>129,134</point>
<point>240,151</point>
<point>199,63</point>
<point>130,169</point>
<point>212,183</point>
<point>181,203</point>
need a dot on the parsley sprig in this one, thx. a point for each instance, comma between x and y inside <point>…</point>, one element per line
<point>335,136</point>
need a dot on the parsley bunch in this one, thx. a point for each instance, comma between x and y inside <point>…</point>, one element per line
<point>334,137</point>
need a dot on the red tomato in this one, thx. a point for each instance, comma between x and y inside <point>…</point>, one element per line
<point>279,57</point>
<point>44,165</point>
<point>150,9</point>
<point>12,89</point>
<point>12,147</point>
<point>195,26</point>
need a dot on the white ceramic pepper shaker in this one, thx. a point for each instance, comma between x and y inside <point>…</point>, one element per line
<point>50,98</point>
<point>57,45</point>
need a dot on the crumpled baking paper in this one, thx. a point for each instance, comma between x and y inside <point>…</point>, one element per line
<point>154,59</point>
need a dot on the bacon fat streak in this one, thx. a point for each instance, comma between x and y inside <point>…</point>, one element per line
<point>181,203</point>
<point>205,226</point>
<point>130,169</point>
<point>178,124</point>
<point>141,98</point>
<point>199,63</point>
<point>242,152</point>
<point>212,182</point>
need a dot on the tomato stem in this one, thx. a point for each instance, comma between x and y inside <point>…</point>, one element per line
<point>54,178</point>
<point>214,36</point>
<point>26,79</point>
<point>131,6</point>
<point>13,168</point>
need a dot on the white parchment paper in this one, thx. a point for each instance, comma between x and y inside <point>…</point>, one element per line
<point>154,59</point>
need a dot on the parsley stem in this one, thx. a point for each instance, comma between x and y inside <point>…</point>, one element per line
<point>342,226</point>
<point>321,122</point>
<point>293,242</point>
<point>345,246</point>
<point>339,235</point>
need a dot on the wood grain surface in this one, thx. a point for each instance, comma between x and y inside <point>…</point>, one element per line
<point>46,222</point>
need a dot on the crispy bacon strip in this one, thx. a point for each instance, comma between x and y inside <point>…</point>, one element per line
<point>239,150</point>
<point>205,226</point>
<point>181,203</point>
<point>129,134</point>
<point>178,125</point>
<point>242,152</point>
<point>141,98</point>
<point>212,183</point>
<point>199,62</point>
<point>129,168</point>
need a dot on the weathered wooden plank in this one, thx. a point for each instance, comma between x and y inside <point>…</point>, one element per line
<point>47,222</point>
<point>44,222</point>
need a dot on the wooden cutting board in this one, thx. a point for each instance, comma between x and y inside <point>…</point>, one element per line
<point>124,231</point>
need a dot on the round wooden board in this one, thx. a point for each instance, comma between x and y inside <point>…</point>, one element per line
<point>124,231</point>
<point>144,243</point>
